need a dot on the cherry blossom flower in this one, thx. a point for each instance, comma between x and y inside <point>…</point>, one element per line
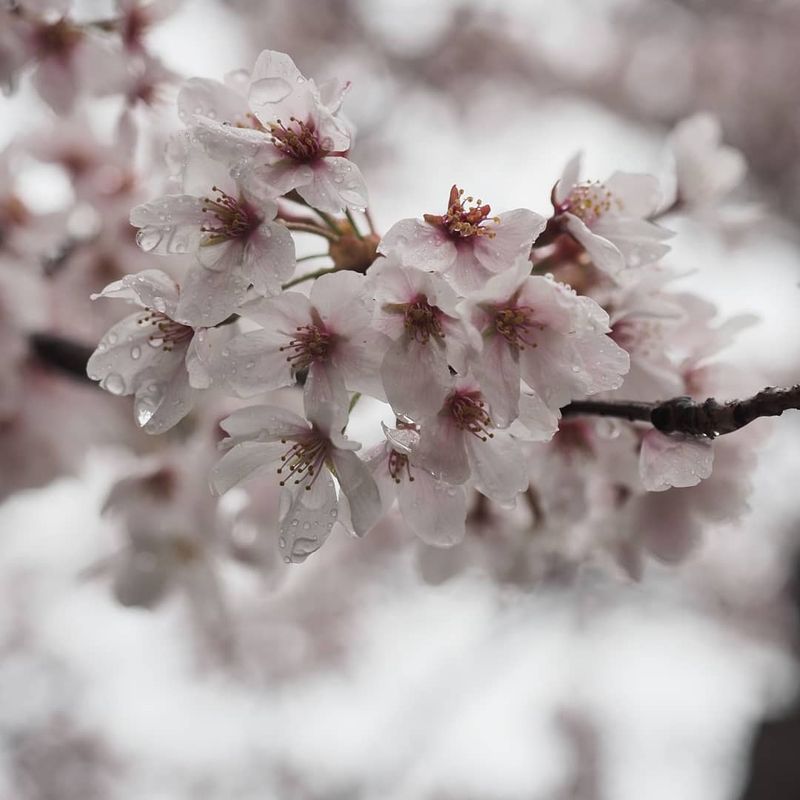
<point>293,138</point>
<point>417,311</point>
<point>434,510</point>
<point>304,456</point>
<point>327,335</point>
<point>465,243</point>
<point>706,170</point>
<point>611,220</point>
<point>461,443</point>
<point>152,354</point>
<point>69,59</point>
<point>538,330</point>
<point>229,230</point>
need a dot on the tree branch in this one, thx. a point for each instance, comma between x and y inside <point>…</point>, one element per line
<point>679,415</point>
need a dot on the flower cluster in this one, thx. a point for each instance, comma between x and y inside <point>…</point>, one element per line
<point>475,328</point>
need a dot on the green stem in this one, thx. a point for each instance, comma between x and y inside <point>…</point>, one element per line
<point>353,400</point>
<point>353,225</point>
<point>304,227</point>
<point>308,277</point>
<point>308,258</point>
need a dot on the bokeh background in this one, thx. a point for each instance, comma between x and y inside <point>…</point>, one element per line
<point>362,676</point>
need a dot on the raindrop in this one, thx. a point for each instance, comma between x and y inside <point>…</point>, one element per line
<point>282,541</point>
<point>148,239</point>
<point>113,383</point>
<point>135,352</point>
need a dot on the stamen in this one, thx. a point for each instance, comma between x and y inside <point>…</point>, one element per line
<point>469,413</point>
<point>422,320</point>
<point>398,464</point>
<point>304,460</point>
<point>589,202</point>
<point>516,325</point>
<point>310,344</point>
<point>235,219</point>
<point>462,222</point>
<point>167,332</point>
<point>297,141</point>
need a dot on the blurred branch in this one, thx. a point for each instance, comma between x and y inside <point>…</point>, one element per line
<point>679,415</point>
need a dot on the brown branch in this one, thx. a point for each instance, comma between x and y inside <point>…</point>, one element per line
<point>678,415</point>
<point>683,415</point>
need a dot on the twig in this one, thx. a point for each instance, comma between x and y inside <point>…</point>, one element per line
<point>707,418</point>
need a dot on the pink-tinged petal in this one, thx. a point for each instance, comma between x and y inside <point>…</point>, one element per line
<point>403,440</point>
<point>200,357</point>
<point>267,423</point>
<point>604,254</point>
<point>170,224</point>
<point>377,461</point>
<point>337,183</point>
<point>680,461</point>
<point>332,92</point>
<point>639,195</point>
<point>245,461</point>
<point>191,166</point>
<point>325,387</point>
<point>415,377</point>
<point>497,370</point>
<point>442,451</point>
<point>540,422</point>
<point>340,298</point>
<point>514,234</point>
<point>160,406</point>
<point>276,176</point>
<point>210,295</point>
<point>269,258</point>
<point>419,244</point>
<point>435,511</point>
<point>212,99</point>
<point>283,314</point>
<point>359,359</point>
<point>467,274</point>
<point>359,488</point>
<point>304,528</point>
<point>253,363</point>
<point>638,240</point>
<point>570,177</point>
<point>125,358</point>
<point>227,143</point>
<point>278,90</point>
<point>497,467</point>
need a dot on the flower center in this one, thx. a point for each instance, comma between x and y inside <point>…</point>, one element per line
<point>231,218</point>
<point>310,343</point>
<point>167,333</point>
<point>516,325</point>
<point>399,466</point>
<point>469,413</point>
<point>297,141</point>
<point>589,202</point>
<point>304,460</point>
<point>462,222</point>
<point>422,320</point>
<point>57,39</point>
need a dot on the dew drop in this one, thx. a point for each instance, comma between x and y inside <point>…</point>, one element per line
<point>282,541</point>
<point>135,352</point>
<point>148,239</point>
<point>576,368</point>
<point>113,383</point>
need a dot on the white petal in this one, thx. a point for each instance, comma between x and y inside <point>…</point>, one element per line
<point>253,363</point>
<point>212,99</point>
<point>666,461</point>
<point>360,489</point>
<point>267,423</point>
<point>150,288</point>
<point>604,254</point>
<point>514,235</point>
<point>245,461</point>
<point>442,451</point>
<point>415,377</point>
<point>303,528</point>
<point>337,183</point>
<point>435,511</point>
<point>419,244</point>
<point>498,467</point>
<point>170,224</point>
<point>269,258</point>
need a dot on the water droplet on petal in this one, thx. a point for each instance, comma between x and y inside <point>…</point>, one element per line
<point>148,238</point>
<point>113,383</point>
<point>135,352</point>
